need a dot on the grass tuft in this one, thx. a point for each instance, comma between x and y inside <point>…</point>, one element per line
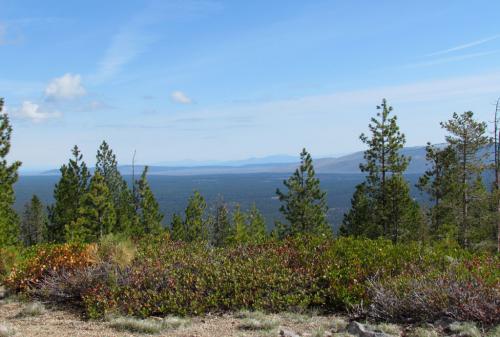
<point>147,326</point>
<point>6,331</point>
<point>338,325</point>
<point>390,329</point>
<point>495,332</point>
<point>131,324</point>
<point>32,309</point>
<point>465,329</point>
<point>422,332</point>
<point>296,317</point>
<point>255,320</point>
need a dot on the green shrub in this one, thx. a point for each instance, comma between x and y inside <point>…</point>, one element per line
<point>298,274</point>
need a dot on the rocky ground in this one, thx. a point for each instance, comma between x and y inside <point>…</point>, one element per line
<point>30,320</point>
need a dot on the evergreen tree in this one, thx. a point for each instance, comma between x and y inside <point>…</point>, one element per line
<point>9,221</point>
<point>67,195</point>
<point>304,205</point>
<point>195,224</point>
<point>357,222</point>
<point>178,229</point>
<point>386,209</point>
<point>33,229</point>
<point>122,197</point>
<point>150,217</point>
<point>257,231</point>
<point>439,182</point>
<point>96,215</point>
<point>467,137</point>
<point>221,225</point>
<point>239,232</point>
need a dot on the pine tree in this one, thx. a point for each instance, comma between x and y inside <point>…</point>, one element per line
<point>257,231</point>
<point>122,197</point>
<point>9,221</point>
<point>358,221</point>
<point>178,229</point>
<point>150,217</point>
<point>467,137</point>
<point>96,215</point>
<point>439,182</point>
<point>221,225</point>
<point>304,205</point>
<point>33,229</point>
<point>67,195</point>
<point>239,232</point>
<point>195,224</point>
<point>386,194</point>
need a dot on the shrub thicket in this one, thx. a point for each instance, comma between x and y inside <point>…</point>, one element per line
<point>175,278</point>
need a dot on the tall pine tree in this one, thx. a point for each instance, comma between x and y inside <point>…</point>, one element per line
<point>9,221</point>
<point>96,215</point>
<point>392,212</point>
<point>122,197</point>
<point>149,215</point>
<point>304,204</point>
<point>68,192</point>
<point>467,137</point>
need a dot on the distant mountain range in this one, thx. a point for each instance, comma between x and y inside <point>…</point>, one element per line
<point>347,164</point>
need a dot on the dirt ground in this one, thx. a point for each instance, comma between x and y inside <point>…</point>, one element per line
<point>65,323</point>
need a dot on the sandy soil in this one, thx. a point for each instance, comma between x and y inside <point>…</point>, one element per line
<point>66,323</point>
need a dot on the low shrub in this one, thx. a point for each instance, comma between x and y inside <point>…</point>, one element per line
<point>161,277</point>
<point>469,290</point>
<point>44,260</point>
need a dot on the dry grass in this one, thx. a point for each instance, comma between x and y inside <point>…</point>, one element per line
<point>338,325</point>
<point>390,329</point>
<point>6,331</point>
<point>495,332</point>
<point>32,309</point>
<point>256,321</point>
<point>465,329</point>
<point>146,326</point>
<point>423,332</point>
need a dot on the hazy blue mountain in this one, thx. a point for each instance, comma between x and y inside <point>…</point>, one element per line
<point>347,164</point>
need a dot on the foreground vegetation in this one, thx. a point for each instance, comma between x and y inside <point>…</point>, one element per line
<point>160,277</point>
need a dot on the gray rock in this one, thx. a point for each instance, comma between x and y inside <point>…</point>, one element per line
<point>361,330</point>
<point>288,333</point>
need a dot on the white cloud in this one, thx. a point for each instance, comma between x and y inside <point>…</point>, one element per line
<point>33,112</point>
<point>465,45</point>
<point>66,87</point>
<point>180,97</point>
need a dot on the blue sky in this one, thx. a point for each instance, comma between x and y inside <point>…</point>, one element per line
<point>225,80</point>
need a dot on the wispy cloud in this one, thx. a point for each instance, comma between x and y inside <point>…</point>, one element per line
<point>465,45</point>
<point>180,97</point>
<point>444,60</point>
<point>135,37</point>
